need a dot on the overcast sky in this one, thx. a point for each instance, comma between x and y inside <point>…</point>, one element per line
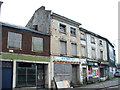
<point>98,16</point>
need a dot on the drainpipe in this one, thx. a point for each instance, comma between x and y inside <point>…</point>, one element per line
<point>87,57</point>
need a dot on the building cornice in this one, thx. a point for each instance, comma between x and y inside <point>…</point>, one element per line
<point>64,19</point>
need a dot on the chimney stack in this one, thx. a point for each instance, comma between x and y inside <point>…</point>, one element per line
<point>35,27</point>
<point>42,7</point>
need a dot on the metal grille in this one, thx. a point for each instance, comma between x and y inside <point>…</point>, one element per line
<point>26,76</point>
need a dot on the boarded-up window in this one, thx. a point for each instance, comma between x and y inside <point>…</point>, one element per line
<point>37,44</point>
<point>83,50</point>
<point>14,40</point>
<point>74,49</point>
<point>63,48</point>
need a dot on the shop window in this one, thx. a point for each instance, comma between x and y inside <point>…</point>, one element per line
<point>14,40</point>
<point>74,49</point>
<point>63,47</point>
<point>62,28</point>
<point>102,74</point>
<point>26,76</point>
<point>89,70</point>
<point>73,31</point>
<point>37,44</point>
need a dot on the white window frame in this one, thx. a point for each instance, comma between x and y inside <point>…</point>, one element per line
<point>84,51</point>
<point>93,56</point>
<point>82,36</point>
<point>101,55</point>
<point>92,39</point>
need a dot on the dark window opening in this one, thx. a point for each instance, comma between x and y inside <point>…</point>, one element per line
<point>73,31</point>
<point>62,28</point>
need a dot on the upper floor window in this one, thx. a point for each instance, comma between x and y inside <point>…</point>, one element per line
<point>100,42</point>
<point>73,31</point>
<point>63,47</point>
<point>62,28</point>
<point>83,51</point>
<point>93,53</point>
<point>93,40</point>
<point>101,54</point>
<point>14,40</point>
<point>82,36</point>
<point>74,49</point>
<point>37,44</point>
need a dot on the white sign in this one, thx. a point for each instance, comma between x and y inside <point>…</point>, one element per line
<point>65,59</point>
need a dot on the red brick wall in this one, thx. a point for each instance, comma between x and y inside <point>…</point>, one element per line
<point>26,42</point>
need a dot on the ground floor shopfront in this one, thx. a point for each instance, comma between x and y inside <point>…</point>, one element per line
<point>65,68</point>
<point>104,74</point>
<point>20,74</point>
<point>111,71</point>
<point>93,72</point>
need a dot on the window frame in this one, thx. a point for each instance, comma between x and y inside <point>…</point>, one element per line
<point>40,41</point>
<point>101,42</point>
<point>82,38</point>
<point>92,53</point>
<point>82,46</point>
<point>65,42</point>
<point>92,39</point>
<point>101,54</point>
<point>72,30</point>
<point>64,27</point>
<point>72,49</point>
<point>20,48</point>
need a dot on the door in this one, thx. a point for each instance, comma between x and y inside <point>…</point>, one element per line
<point>40,76</point>
<point>74,74</point>
<point>6,75</point>
<point>84,76</point>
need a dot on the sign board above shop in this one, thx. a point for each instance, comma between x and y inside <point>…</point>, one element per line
<point>65,59</point>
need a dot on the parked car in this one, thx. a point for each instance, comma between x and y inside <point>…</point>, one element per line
<point>117,74</point>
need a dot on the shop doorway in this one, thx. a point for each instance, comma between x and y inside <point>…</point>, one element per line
<point>75,75</point>
<point>84,76</point>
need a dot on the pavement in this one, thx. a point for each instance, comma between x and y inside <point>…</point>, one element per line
<point>105,84</point>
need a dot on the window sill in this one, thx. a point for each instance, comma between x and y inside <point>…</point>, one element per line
<point>83,39</point>
<point>62,32</point>
<point>93,42</point>
<point>63,55</point>
<point>73,35</point>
